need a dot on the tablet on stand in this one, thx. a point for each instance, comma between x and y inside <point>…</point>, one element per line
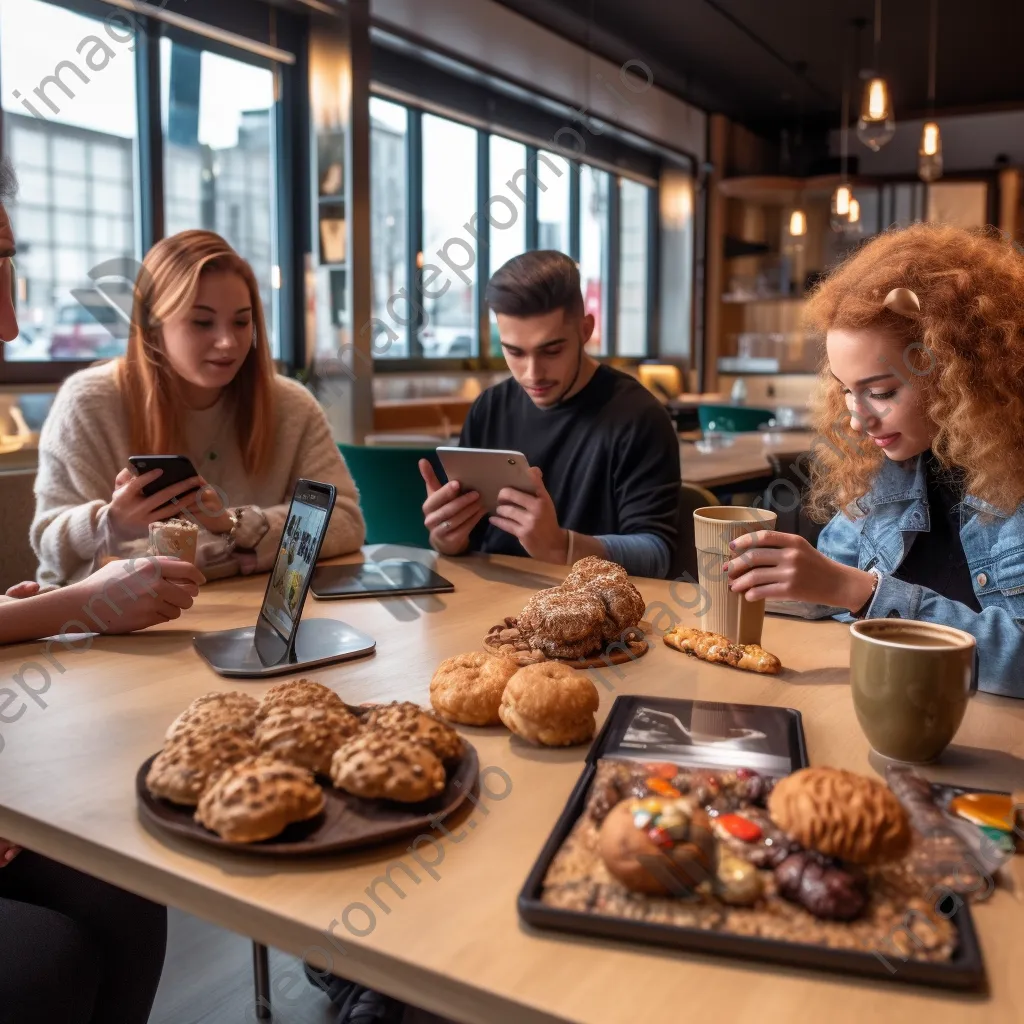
<point>281,642</point>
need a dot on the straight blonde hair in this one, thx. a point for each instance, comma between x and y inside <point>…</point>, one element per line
<point>166,287</point>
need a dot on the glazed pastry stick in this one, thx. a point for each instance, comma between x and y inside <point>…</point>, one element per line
<point>716,648</point>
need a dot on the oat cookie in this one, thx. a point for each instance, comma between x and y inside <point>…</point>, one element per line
<point>183,769</point>
<point>306,735</point>
<point>297,693</point>
<point>410,722</point>
<point>257,798</point>
<point>382,765</point>
<point>232,706</point>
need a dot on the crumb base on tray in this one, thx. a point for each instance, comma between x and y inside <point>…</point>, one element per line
<point>578,879</point>
<point>505,640</point>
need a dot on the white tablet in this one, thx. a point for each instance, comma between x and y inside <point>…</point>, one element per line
<point>487,471</point>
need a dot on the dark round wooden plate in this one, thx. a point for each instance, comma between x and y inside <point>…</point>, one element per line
<point>346,822</point>
<point>613,654</point>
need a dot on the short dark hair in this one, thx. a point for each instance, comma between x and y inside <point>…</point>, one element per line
<point>8,182</point>
<point>536,283</point>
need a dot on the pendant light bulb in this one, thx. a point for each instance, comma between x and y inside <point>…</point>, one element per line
<point>797,223</point>
<point>875,126</point>
<point>929,153</point>
<point>854,211</point>
<point>840,213</point>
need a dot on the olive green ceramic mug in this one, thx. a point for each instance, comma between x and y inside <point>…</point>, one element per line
<point>911,682</point>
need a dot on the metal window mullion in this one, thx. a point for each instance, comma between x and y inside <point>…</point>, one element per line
<point>652,347</point>
<point>532,232</point>
<point>150,149</point>
<point>287,220</point>
<point>574,210</point>
<point>414,224</point>
<point>483,263</point>
<point>611,268</point>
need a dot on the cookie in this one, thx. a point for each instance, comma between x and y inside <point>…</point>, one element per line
<point>182,770</point>
<point>563,623</point>
<point>381,765</point>
<point>840,814</point>
<point>257,798</point>
<point>592,567</point>
<point>715,648</point>
<point>550,704</point>
<point>306,735</point>
<point>468,687</point>
<point>230,706</point>
<point>298,693</point>
<point>411,723</point>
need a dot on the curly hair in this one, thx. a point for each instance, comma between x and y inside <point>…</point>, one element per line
<point>969,337</point>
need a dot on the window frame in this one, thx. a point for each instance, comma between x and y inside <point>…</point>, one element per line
<point>483,360</point>
<point>148,178</point>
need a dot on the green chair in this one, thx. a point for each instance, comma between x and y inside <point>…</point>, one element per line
<point>732,419</point>
<point>391,491</point>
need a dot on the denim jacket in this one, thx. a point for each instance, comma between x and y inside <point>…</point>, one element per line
<point>896,511</point>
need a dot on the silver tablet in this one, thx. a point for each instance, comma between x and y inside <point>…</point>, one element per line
<point>487,471</point>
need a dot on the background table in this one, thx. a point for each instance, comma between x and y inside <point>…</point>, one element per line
<point>743,462</point>
<point>451,941</point>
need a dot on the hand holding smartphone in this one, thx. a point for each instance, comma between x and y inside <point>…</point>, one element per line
<point>156,487</point>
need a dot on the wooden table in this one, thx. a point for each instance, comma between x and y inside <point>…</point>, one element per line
<point>745,460</point>
<point>451,942</point>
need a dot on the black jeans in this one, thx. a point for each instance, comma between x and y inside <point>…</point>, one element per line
<point>74,950</point>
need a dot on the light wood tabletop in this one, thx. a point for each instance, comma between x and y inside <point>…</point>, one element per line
<point>444,934</point>
<point>745,459</point>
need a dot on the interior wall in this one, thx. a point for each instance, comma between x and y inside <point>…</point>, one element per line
<point>969,143</point>
<point>485,32</point>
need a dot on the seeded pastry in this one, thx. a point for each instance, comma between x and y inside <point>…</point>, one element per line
<point>232,706</point>
<point>257,798</point>
<point>307,735</point>
<point>378,765</point>
<point>189,762</point>
<point>294,694</point>
<point>716,648</point>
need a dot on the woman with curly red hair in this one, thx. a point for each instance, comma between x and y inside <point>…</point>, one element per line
<point>920,455</point>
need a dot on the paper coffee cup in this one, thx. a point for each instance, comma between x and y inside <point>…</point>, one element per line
<point>725,611</point>
<point>175,538</point>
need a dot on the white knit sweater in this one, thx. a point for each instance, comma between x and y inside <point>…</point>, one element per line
<point>85,443</point>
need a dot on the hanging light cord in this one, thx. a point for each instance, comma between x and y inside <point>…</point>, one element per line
<point>878,33</point>
<point>932,55</point>
<point>844,135</point>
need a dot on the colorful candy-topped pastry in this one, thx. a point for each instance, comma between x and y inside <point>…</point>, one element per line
<point>658,845</point>
<point>751,835</point>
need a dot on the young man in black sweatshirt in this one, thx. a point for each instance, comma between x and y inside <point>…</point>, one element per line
<point>603,452</point>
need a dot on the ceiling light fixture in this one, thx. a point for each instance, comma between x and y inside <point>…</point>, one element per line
<point>840,212</point>
<point>929,152</point>
<point>875,126</point>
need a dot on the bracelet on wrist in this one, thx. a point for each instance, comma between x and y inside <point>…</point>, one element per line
<point>862,610</point>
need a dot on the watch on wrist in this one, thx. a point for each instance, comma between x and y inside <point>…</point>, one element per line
<point>248,527</point>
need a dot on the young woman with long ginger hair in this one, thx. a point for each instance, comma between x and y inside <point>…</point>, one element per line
<point>920,459</point>
<point>198,380</point>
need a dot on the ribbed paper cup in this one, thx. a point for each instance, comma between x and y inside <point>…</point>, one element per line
<point>175,538</point>
<point>727,612</point>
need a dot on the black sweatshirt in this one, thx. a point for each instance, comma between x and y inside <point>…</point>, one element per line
<point>609,455</point>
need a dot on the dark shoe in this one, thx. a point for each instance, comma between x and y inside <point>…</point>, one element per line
<point>356,1004</point>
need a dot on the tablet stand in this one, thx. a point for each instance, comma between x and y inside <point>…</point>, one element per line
<point>233,652</point>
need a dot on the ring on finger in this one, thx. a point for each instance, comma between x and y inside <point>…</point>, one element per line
<point>446,526</point>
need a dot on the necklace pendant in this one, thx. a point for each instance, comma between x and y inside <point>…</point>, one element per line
<point>212,456</point>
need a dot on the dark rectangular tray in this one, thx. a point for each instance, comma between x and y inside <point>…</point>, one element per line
<point>965,972</point>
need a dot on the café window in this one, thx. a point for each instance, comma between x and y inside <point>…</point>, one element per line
<point>449,327</point>
<point>634,246</point>
<point>217,114</point>
<point>389,131</point>
<point>595,186</point>
<point>70,131</point>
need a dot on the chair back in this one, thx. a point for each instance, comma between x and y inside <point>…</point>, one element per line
<point>17,510</point>
<point>691,498</point>
<point>733,419</point>
<point>391,491</point>
<point>786,493</point>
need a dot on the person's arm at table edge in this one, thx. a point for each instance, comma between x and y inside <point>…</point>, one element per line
<point>45,614</point>
<point>640,554</point>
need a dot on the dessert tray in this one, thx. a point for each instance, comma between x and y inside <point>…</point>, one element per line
<point>346,821</point>
<point>667,839</point>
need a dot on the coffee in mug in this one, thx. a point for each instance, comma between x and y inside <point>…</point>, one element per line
<point>911,682</point>
<point>725,611</point>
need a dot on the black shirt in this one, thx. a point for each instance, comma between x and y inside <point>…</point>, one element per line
<point>936,559</point>
<point>609,455</point>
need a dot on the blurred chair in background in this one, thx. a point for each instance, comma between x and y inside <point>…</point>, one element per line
<point>733,419</point>
<point>17,509</point>
<point>786,493</point>
<point>391,491</point>
<point>691,498</point>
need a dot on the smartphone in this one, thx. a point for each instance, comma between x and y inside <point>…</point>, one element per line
<point>304,532</point>
<point>487,471</point>
<point>176,469</point>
